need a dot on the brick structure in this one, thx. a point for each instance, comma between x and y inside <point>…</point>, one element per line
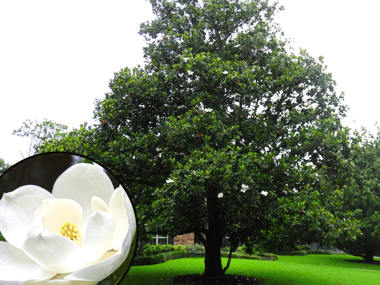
<point>184,239</point>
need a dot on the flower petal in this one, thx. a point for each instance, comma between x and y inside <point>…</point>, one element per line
<point>16,266</point>
<point>98,204</point>
<point>17,212</point>
<point>50,282</point>
<point>58,211</point>
<point>121,209</point>
<point>99,235</point>
<point>82,181</point>
<point>102,269</point>
<point>53,252</point>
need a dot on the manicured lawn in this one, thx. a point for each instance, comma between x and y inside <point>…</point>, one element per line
<point>305,270</point>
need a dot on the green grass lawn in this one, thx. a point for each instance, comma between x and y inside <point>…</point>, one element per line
<point>305,270</point>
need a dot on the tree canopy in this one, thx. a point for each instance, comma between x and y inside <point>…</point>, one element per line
<point>3,166</point>
<point>224,131</point>
<point>362,197</point>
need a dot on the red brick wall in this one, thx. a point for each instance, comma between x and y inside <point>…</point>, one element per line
<point>184,239</point>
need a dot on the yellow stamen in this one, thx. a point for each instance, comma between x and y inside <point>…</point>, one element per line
<point>70,230</point>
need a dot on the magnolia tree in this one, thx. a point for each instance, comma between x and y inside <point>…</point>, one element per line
<point>224,131</point>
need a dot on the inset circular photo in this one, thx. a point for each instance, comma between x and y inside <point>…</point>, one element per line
<point>64,219</point>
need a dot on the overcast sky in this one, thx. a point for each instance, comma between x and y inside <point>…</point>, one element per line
<point>57,57</point>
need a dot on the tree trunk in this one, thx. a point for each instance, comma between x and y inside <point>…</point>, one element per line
<point>214,238</point>
<point>368,258</point>
<point>213,262</point>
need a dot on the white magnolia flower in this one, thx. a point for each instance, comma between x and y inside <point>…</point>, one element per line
<point>190,72</point>
<point>244,188</point>
<point>81,231</point>
<point>264,193</point>
<point>169,181</point>
<point>225,72</point>
<point>208,110</point>
<point>220,195</point>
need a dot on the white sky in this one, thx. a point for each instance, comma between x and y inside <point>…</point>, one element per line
<point>57,57</point>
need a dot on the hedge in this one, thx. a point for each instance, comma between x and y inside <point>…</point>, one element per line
<point>265,256</point>
<point>304,252</point>
<point>159,258</point>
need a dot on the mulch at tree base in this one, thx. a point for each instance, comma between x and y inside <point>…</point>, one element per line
<point>224,279</point>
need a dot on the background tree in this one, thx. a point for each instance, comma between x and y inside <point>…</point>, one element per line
<point>217,125</point>
<point>362,197</point>
<point>3,166</point>
<point>39,133</point>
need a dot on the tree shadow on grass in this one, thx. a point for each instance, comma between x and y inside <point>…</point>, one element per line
<point>375,262</point>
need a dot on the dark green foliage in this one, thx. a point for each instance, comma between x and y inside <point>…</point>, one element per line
<point>3,166</point>
<point>159,258</point>
<point>148,260</point>
<point>2,238</point>
<point>223,127</point>
<point>317,251</point>
<point>362,197</point>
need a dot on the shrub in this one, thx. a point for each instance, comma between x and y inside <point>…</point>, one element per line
<point>301,252</point>
<point>303,247</point>
<point>289,248</point>
<point>175,255</point>
<point>319,252</point>
<point>159,258</point>
<point>267,256</point>
<point>304,252</point>
<point>180,248</point>
<point>227,248</point>
<point>256,250</point>
<point>168,248</point>
<point>149,249</point>
<point>159,248</point>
